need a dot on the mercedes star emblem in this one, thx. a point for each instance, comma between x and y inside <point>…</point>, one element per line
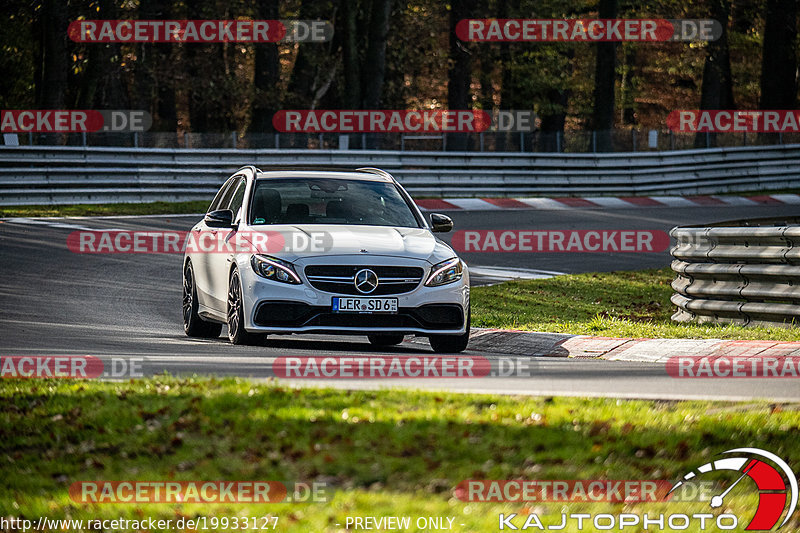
<point>366,281</point>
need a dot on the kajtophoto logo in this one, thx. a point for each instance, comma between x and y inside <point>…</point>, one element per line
<point>775,483</point>
<point>772,488</point>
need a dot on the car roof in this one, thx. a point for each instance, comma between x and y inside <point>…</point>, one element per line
<point>325,174</point>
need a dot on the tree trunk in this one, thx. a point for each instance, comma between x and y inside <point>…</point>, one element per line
<point>626,88</point>
<point>55,61</point>
<point>604,79</point>
<point>154,76</point>
<point>266,101</point>
<point>551,136</point>
<point>779,58</point>
<point>717,90</point>
<point>351,96</point>
<point>304,77</point>
<point>375,60</point>
<point>459,74</point>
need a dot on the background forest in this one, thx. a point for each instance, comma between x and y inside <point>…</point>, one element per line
<point>393,54</point>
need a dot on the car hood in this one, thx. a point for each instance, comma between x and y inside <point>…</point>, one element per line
<point>314,240</point>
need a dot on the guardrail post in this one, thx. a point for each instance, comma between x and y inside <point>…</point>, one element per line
<point>780,137</point>
<point>186,139</point>
<point>277,140</point>
<point>402,142</point>
<point>633,139</point>
<point>708,140</point>
<point>30,138</point>
<point>136,139</point>
<point>522,141</point>
<point>558,141</point>
<point>83,137</point>
<point>594,141</point>
<point>480,135</point>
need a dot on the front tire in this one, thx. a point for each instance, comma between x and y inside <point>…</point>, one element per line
<point>236,331</point>
<point>385,340</point>
<point>193,325</point>
<point>451,343</point>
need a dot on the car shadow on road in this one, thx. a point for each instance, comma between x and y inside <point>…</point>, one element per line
<point>343,345</point>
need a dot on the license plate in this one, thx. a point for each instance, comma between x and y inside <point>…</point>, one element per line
<point>364,305</point>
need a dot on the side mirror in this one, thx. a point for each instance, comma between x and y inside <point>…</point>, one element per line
<point>222,218</point>
<point>441,223</point>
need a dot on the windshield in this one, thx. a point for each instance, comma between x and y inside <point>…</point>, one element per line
<point>329,201</point>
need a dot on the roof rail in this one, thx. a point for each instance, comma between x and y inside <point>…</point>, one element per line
<point>249,167</point>
<point>373,170</point>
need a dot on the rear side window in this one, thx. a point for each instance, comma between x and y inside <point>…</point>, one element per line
<point>220,195</point>
<point>225,201</point>
<point>237,198</point>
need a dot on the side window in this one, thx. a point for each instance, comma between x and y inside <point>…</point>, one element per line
<point>237,198</point>
<point>225,201</point>
<point>220,194</point>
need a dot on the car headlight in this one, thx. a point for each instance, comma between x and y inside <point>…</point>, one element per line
<point>274,269</point>
<point>445,272</point>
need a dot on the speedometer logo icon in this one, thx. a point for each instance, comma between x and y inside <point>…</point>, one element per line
<point>773,491</point>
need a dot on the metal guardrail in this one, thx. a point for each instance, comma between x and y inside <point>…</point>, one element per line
<point>61,175</point>
<point>572,141</point>
<point>742,272</point>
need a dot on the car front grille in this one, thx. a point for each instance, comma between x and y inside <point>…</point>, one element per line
<point>338,279</point>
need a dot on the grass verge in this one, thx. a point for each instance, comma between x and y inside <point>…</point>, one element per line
<point>383,453</point>
<point>611,304</point>
<point>84,210</point>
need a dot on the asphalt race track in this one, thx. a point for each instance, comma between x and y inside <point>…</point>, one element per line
<point>56,302</point>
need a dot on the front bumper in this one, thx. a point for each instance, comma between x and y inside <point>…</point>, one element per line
<point>274,307</point>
